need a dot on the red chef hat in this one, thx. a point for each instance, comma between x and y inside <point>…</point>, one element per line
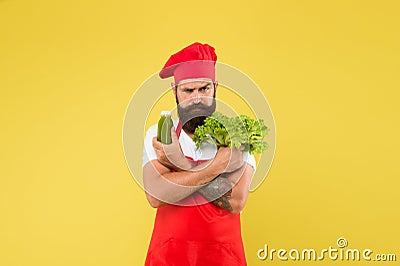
<point>193,62</point>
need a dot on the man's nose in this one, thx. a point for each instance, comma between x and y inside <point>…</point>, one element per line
<point>196,97</point>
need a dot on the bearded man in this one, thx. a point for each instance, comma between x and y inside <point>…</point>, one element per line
<point>199,193</point>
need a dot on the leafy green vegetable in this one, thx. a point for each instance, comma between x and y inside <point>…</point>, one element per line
<point>231,132</point>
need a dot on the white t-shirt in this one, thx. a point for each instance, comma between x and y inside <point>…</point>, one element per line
<point>205,152</point>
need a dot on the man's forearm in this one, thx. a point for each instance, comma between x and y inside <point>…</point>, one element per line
<point>218,192</point>
<point>163,186</point>
<point>171,187</point>
<point>229,190</point>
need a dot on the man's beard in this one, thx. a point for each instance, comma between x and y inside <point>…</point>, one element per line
<point>194,115</point>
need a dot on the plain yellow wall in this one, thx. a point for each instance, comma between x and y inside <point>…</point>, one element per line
<point>330,72</point>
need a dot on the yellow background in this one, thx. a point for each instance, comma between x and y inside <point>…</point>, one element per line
<point>330,72</point>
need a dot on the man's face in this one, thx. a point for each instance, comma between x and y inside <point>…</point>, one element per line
<point>196,101</point>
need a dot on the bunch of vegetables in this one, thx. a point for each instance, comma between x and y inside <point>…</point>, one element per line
<point>232,132</point>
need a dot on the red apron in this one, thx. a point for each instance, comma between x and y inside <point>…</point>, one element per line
<point>195,234</point>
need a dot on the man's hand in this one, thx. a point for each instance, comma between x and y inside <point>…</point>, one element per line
<point>230,159</point>
<point>171,155</point>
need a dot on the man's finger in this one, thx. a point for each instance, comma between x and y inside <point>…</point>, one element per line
<point>156,143</point>
<point>174,136</point>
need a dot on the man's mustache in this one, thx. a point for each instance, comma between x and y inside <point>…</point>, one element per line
<point>195,110</point>
<point>193,115</point>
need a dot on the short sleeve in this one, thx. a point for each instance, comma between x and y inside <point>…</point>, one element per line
<point>149,153</point>
<point>249,158</point>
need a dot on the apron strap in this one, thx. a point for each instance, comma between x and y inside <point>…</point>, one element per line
<point>178,133</point>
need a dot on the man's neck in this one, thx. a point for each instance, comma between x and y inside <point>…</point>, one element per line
<point>188,133</point>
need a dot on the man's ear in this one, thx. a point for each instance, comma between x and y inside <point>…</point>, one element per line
<point>173,87</point>
<point>215,86</point>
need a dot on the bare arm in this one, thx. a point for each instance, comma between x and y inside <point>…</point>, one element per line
<point>234,187</point>
<point>163,186</point>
